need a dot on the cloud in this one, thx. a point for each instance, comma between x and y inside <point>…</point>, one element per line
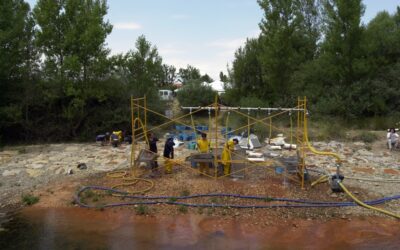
<point>127,26</point>
<point>232,44</point>
<point>170,50</point>
<point>227,44</point>
<point>180,17</point>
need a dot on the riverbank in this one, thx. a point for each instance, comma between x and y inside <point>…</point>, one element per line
<point>51,173</point>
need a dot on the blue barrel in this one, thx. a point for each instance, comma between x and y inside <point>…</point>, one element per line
<point>191,145</point>
<point>180,127</point>
<point>279,170</point>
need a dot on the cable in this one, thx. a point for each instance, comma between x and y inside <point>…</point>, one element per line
<point>374,180</point>
<point>172,200</point>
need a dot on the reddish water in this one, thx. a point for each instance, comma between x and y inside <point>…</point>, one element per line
<point>77,228</point>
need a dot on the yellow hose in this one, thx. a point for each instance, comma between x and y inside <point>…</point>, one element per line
<point>367,206</point>
<point>312,149</point>
<point>320,180</point>
<point>129,181</point>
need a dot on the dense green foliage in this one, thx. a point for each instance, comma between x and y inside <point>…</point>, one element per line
<point>320,49</point>
<point>59,82</point>
<point>194,93</point>
<point>57,79</point>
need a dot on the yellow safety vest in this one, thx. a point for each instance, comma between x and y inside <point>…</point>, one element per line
<point>203,146</point>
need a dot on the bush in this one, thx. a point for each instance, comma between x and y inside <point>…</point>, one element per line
<point>366,136</point>
<point>196,94</point>
<point>29,199</point>
<point>329,129</point>
<point>185,192</point>
<point>142,209</point>
<point>183,209</point>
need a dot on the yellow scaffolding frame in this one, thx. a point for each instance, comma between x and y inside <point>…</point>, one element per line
<point>301,136</point>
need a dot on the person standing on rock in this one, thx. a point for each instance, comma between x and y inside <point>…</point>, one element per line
<point>169,154</point>
<point>392,138</point>
<point>152,142</point>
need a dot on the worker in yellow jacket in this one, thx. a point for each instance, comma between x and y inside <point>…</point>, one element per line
<point>203,146</point>
<point>226,155</point>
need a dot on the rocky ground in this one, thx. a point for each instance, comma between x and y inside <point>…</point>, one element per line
<point>51,172</point>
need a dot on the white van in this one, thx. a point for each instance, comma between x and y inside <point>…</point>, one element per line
<point>165,94</point>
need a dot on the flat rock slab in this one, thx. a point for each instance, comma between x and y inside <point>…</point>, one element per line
<point>72,148</point>
<point>9,153</point>
<point>363,170</point>
<point>12,172</point>
<point>391,171</point>
<point>34,172</point>
<point>35,165</point>
<point>364,152</point>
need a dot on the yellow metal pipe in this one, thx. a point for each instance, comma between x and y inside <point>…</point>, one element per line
<point>216,138</point>
<point>170,120</point>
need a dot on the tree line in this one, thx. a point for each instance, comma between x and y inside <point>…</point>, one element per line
<point>322,50</point>
<point>58,80</point>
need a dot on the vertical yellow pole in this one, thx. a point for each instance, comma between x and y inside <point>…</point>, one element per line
<point>216,138</point>
<point>300,136</point>
<point>270,128</point>
<point>138,107</point>
<point>145,114</point>
<point>133,136</point>
<point>304,139</point>
<point>248,128</point>
<point>298,122</point>
<point>291,130</point>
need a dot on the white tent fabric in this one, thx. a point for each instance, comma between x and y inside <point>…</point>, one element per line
<point>216,86</point>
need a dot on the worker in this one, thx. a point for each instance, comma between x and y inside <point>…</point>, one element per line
<point>203,146</point>
<point>119,134</point>
<point>169,154</point>
<point>226,155</point>
<point>114,140</point>
<point>392,139</point>
<point>152,143</point>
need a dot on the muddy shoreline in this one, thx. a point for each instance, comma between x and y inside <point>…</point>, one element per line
<point>42,170</point>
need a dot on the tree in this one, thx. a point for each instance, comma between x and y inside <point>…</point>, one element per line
<point>71,36</point>
<point>206,78</point>
<point>247,75</point>
<point>169,76</point>
<point>18,64</point>
<point>223,78</point>
<point>141,69</point>
<point>194,93</point>
<point>288,39</point>
<point>381,41</point>
<point>343,37</point>
<point>189,73</point>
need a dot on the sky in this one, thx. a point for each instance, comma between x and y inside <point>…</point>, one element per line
<point>201,33</point>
